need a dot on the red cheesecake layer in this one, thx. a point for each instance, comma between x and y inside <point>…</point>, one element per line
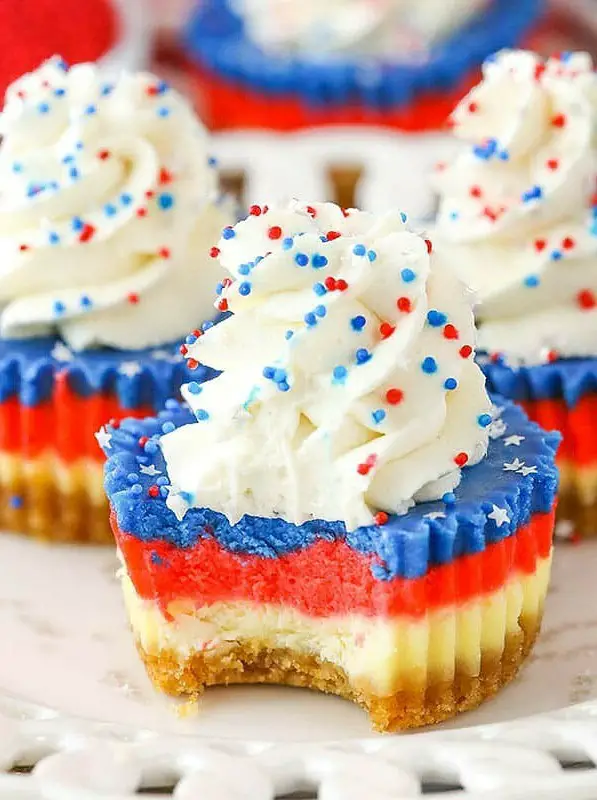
<point>64,424</point>
<point>576,424</point>
<point>327,578</point>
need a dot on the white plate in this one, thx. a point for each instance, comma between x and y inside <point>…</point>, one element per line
<point>69,662</point>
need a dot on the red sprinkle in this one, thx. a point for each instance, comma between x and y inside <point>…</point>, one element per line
<point>133,298</point>
<point>214,252</point>
<point>153,491</point>
<point>553,163</point>
<point>429,245</point>
<point>568,243</point>
<point>165,176</point>
<point>473,107</point>
<point>540,245</point>
<point>274,232</point>
<point>152,90</point>
<point>450,332</point>
<point>381,518</point>
<point>586,299</point>
<point>490,213</point>
<point>539,70</point>
<point>466,351</point>
<point>331,235</point>
<point>87,233</point>
<point>558,120</point>
<point>103,155</point>
<point>341,285</point>
<point>149,194</point>
<point>223,305</point>
<point>312,211</point>
<point>192,363</point>
<point>330,283</point>
<point>552,356</point>
<point>23,247</point>
<point>364,469</point>
<point>143,441</point>
<point>461,459</point>
<point>345,212</point>
<point>394,396</point>
<point>114,423</point>
<point>404,304</point>
<point>255,211</point>
<point>142,212</point>
<point>183,349</point>
<point>386,330</point>
<point>164,252</point>
<point>476,191</point>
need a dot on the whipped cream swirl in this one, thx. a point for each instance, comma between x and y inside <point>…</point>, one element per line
<point>348,385</point>
<point>107,210</point>
<point>517,215</point>
<point>389,29</point>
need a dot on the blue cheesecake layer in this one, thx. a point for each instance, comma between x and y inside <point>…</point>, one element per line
<point>216,38</point>
<point>28,370</point>
<point>518,478</point>
<point>565,379</point>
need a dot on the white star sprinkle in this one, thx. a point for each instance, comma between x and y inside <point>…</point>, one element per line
<point>130,368</point>
<point>435,515</point>
<point>61,352</point>
<point>513,466</point>
<point>515,440</point>
<point>499,515</point>
<point>149,470</point>
<point>527,471</point>
<point>103,438</point>
<point>497,428</point>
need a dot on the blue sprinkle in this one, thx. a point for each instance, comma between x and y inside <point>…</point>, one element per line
<point>268,372</point>
<point>59,308</point>
<point>43,108</point>
<point>450,384</point>
<point>531,281</point>
<point>310,319</point>
<point>132,477</point>
<point>79,146</point>
<point>191,338</point>
<point>565,56</point>
<point>53,185</point>
<point>371,255</point>
<point>60,63</point>
<point>359,250</point>
<point>151,447</point>
<point>161,87</point>
<point>156,559</point>
<point>17,167</point>
<point>280,375</point>
<point>487,150</point>
<point>60,92</point>
<point>378,416</point>
<point>164,491</point>
<point>68,159</point>
<point>86,301</point>
<point>287,243</point>
<point>454,215</point>
<point>53,237</point>
<point>534,193</point>
<point>163,111</point>
<point>77,224</point>
<point>436,318</point>
<point>202,415</point>
<point>319,261</point>
<point>91,109</point>
<point>288,335</point>
<point>194,388</point>
<point>363,355</point>
<point>136,488</point>
<point>319,289</point>
<point>163,480</point>
<point>168,427</point>
<point>171,403</point>
<point>244,269</point>
<point>403,216</point>
<point>504,155</point>
<point>429,365</point>
<point>126,199</point>
<point>320,311</point>
<point>205,326</point>
<point>245,288</point>
<point>408,275</point>
<point>484,420</point>
<point>110,209</point>
<point>301,259</point>
<point>284,386</point>
<point>228,233</point>
<point>16,501</point>
<point>556,255</point>
<point>107,89</point>
<point>165,201</point>
<point>449,498</point>
<point>358,323</point>
<point>212,162</point>
<point>339,374</point>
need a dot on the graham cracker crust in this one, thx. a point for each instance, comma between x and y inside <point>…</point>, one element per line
<point>53,505</point>
<point>253,662</point>
<point>577,499</point>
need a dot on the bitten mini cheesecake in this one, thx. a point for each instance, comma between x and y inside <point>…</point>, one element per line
<point>343,508</point>
<point>107,208</point>
<point>518,220</point>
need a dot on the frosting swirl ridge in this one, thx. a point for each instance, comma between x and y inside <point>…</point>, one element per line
<point>348,384</point>
<point>107,209</point>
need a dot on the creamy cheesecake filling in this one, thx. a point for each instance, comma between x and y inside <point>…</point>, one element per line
<point>386,654</point>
